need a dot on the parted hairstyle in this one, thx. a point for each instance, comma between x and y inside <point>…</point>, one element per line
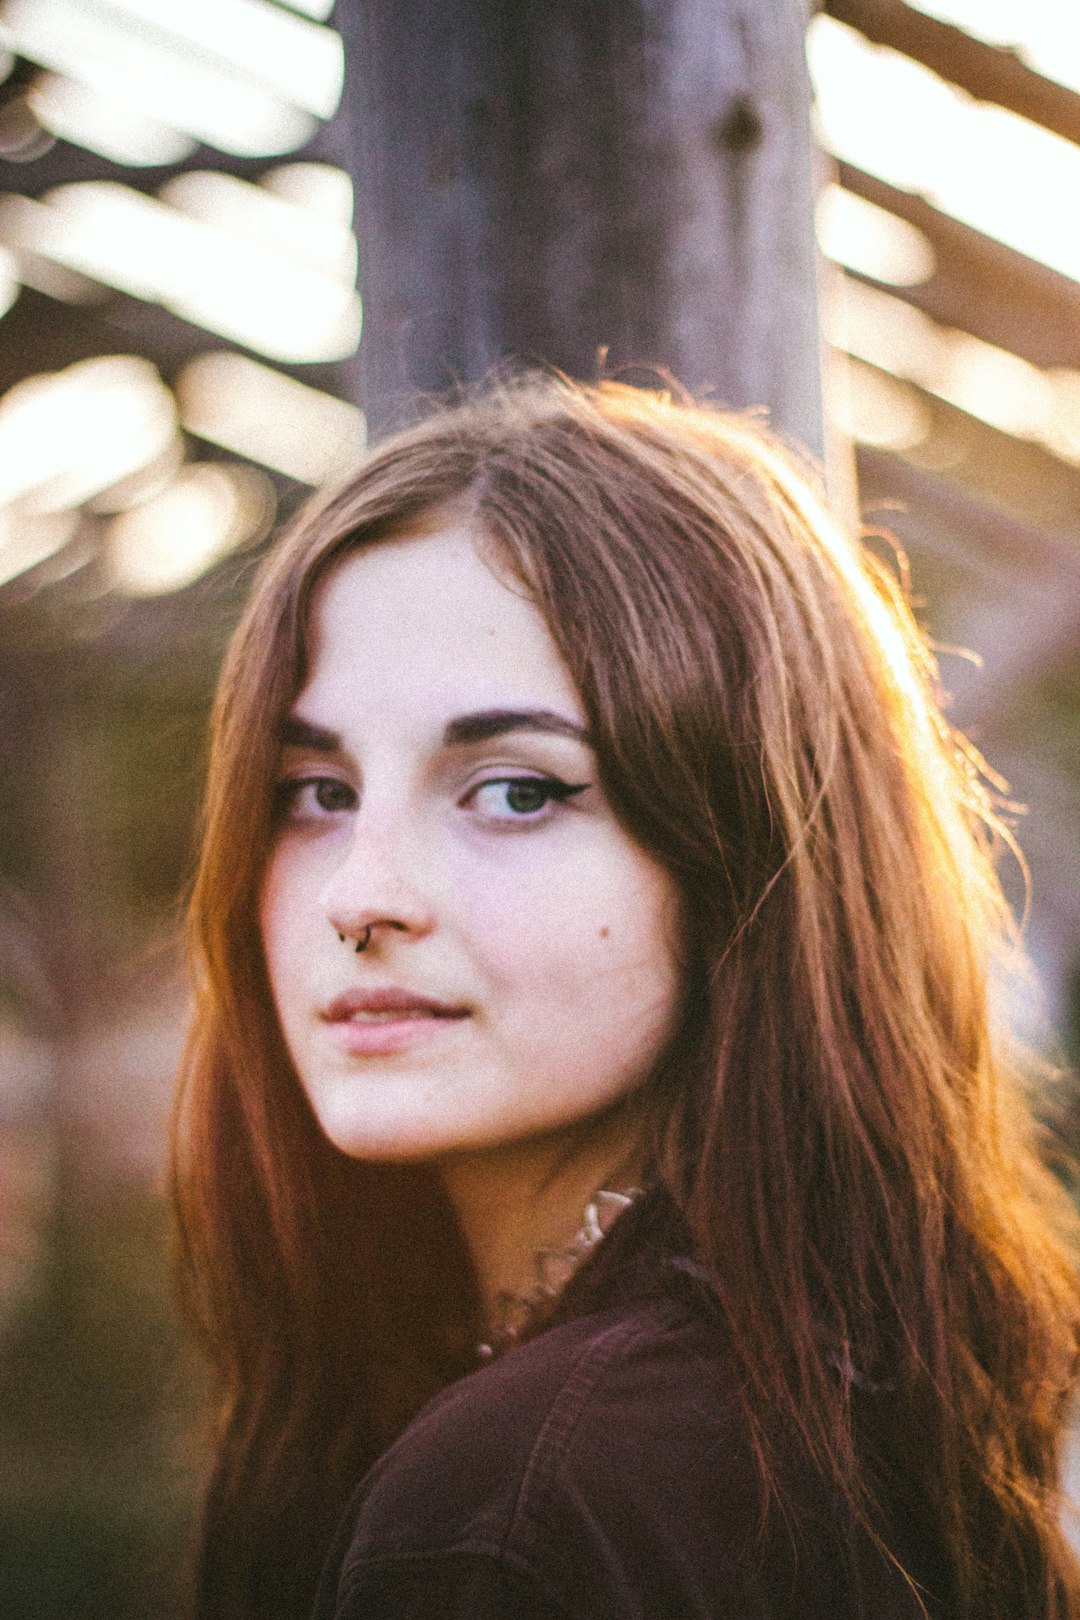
<point>840,1125</point>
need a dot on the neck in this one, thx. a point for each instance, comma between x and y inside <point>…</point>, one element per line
<point>514,1202</point>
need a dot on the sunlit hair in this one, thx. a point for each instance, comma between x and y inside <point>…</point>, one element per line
<point>842,1132</point>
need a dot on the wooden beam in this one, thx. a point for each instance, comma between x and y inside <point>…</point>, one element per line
<point>1026,618</point>
<point>956,523</point>
<point>544,181</point>
<point>980,285</point>
<point>1011,474</point>
<point>989,72</point>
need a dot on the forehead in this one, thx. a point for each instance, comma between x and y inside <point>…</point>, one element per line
<point>427,620</point>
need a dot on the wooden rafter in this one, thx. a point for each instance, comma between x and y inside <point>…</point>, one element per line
<point>1009,474</point>
<point>980,285</point>
<point>989,72</point>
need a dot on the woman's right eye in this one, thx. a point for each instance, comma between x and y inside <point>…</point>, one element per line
<point>312,798</point>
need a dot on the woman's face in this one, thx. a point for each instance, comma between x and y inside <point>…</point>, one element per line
<point>438,796</point>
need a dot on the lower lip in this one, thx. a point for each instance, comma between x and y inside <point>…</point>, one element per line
<point>388,1035</point>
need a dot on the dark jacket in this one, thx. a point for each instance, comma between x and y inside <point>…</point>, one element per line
<point>601,1471</point>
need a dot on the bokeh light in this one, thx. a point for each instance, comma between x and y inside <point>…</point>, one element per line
<point>871,241</point>
<point>270,418</point>
<point>226,72</point>
<point>168,541</point>
<point>107,124</point>
<point>69,435</point>
<point>226,255</point>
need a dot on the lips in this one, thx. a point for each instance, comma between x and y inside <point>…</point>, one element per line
<point>387,1006</point>
<point>381,1023</point>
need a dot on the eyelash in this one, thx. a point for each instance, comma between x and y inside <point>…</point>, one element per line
<point>287,792</point>
<point>552,789</point>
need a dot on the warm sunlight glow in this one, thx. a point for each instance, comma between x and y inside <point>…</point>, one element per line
<point>989,383</point>
<point>267,220</point>
<point>25,231</point>
<point>872,407</point>
<point>871,241</point>
<point>208,274</point>
<point>318,188</point>
<point>27,539</point>
<point>888,115</point>
<point>301,62</point>
<point>9,280</point>
<point>66,436</point>
<point>107,125</point>
<point>1062,432</point>
<point>268,417</point>
<point>188,91</point>
<point>169,540</point>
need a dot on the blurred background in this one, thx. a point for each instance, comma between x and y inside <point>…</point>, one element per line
<point>180,343</point>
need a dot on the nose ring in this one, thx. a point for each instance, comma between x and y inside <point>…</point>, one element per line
<point>363,942</point>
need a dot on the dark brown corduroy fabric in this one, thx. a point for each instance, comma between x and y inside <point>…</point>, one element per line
<point>602,1471</point>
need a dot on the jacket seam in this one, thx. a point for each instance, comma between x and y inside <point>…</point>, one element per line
<point>566,1411</point>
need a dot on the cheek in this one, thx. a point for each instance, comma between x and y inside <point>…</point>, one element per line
<point>286,924</point>
<point>593,942</point>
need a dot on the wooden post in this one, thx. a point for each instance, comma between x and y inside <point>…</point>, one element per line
<point>557,180</point>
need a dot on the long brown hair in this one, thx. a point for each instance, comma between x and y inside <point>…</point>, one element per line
<point>845,1138</point>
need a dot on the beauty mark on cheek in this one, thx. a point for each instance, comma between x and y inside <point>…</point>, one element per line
<point>605,931</point>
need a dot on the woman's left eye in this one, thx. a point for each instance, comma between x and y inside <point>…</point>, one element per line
<point>520,798</point>
<point>308,798</point>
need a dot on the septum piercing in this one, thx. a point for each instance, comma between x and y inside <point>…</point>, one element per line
<point>363,942</point>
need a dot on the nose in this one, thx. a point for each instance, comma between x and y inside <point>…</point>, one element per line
<point>377,886</point>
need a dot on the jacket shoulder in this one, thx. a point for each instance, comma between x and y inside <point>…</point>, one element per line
<point>606,1461</point>
<point>475,1463</point>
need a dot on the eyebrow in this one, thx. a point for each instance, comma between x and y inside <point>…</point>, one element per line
<point>481,727</point>
<point>296,732</point>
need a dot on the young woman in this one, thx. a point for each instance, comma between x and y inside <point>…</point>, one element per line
<point>595,1146</point>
